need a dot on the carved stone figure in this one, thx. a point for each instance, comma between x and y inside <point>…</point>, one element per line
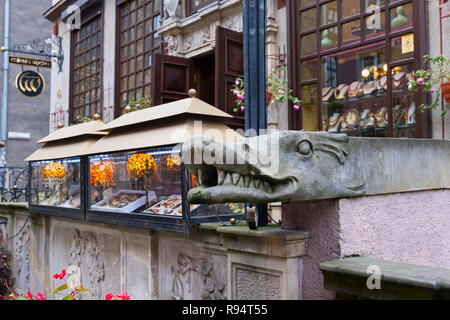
<point>170,7</point>
<point>298,165</point>
<point>182,278</point>
<point>85,255</point>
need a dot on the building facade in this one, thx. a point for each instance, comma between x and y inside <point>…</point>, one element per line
<point>348,60</point>
<point>25,119</point>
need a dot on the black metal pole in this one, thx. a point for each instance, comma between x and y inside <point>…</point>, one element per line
<point>254,26</point>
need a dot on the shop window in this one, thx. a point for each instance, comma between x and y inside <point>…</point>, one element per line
<point>86,69</point>
<point>138,41</point>
<point>359,50</point>
<point>354,91</point>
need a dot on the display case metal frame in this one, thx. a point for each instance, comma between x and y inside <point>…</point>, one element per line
<point>71,213</point>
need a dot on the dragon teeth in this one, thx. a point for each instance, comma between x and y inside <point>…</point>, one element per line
<point>246,180</point>
<point>200,176</point>
<point>228,179</point>
<point>220,176</point>
<point>256,183</point>
<point>236,178</point>
<point>267,188</point>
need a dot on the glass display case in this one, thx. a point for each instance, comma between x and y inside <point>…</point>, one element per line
<point>56,184</point>
<point>57,172</point>
<point>149,185</point>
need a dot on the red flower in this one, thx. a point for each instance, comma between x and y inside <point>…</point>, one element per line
<point>124,295</point>
<point>39,296</point>
<point>29,295</point>
<point>109,296</point>
<point>61,275</point>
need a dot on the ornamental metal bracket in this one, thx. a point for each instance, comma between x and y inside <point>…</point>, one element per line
<point>56,56</point>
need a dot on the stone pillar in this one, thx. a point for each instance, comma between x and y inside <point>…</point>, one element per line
<point>264,264</point>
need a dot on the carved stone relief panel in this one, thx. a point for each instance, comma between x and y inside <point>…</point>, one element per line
<point>256,283</point>
<point>22,258</point>
<point>96,256</point>
<point>189,273</point>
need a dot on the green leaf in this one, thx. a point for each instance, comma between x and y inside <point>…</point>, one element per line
<point>61,288</point>
<point>81,289</point>
<point>68,298</point>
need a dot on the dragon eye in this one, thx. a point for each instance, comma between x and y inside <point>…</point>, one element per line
<point>304,148</point>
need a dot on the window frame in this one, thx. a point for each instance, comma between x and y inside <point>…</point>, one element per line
<point>154,49</point>
<point>296,59</point>
<point>88,15</point>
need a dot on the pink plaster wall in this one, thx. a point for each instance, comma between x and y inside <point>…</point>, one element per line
<point>409,227</point>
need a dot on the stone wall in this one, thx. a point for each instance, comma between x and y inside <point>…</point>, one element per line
<point>407,227</point>
<point>212,262</point>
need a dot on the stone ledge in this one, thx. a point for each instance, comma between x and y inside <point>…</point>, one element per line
<point>269,240</point>
<point>398,280</point>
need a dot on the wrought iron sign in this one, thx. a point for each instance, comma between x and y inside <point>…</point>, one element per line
<point>30,62</point>
<point>45,50</point>
<point>30,83</point>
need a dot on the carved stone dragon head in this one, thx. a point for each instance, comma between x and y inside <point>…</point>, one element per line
<point>281,166</point>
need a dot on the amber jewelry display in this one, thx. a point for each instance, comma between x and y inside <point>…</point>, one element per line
<point>102,177</point>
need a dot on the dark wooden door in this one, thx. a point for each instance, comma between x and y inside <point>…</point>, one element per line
<point>229,65</point>
<point>172,78</point>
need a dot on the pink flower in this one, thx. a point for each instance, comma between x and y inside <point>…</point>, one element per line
<point>138,106</point>
<point>109,296</point>
<point>235,92</point>
<point>29,295</point>
<point>420,80</point>
<point>242,109</point>
<point>296,107</point>
<point>240,97</point>
<point>39,296</point>
<point>237,82</point>
<point>432,90</point>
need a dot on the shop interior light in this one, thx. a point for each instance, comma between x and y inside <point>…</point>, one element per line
<point>365,73</point>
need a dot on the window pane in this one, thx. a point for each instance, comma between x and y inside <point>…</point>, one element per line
<point>308,44</point>
<point>375,24</point>
<point>354,91</point>
<point>350,8</point>
<point>329,38</point>
<point>402,47</point>
<point>329,13</point>
<point>351,31</point>
<point>401,17</point>
<point>304,3</point>
<point>308,19</point>
<point>403,102</point>
<point>310,107</point>
<point>309,70</point>
<point>374,5</point>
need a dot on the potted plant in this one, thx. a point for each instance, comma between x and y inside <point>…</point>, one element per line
<point>277,89</point>
<point>434,80</point>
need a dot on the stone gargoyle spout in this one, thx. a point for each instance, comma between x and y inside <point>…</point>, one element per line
<point>291,166</point>
<point>281,166</point>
